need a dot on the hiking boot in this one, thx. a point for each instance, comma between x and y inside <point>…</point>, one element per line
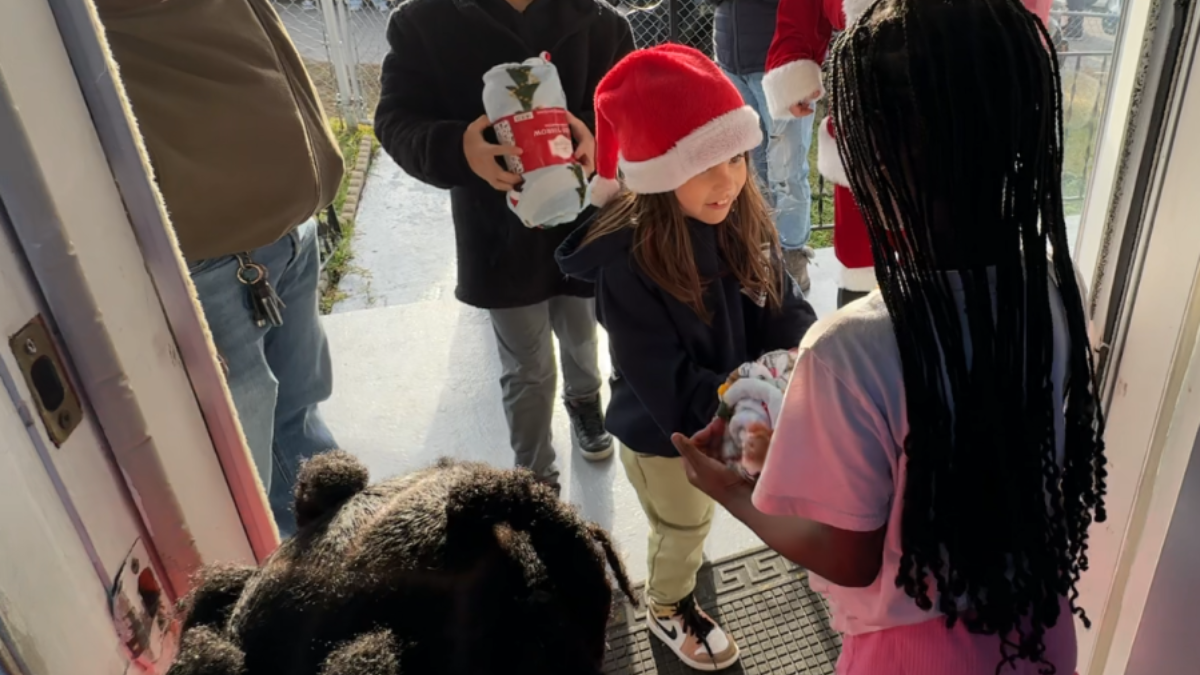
<point>694,637</point>
<point>587,422</point>
<point>796,261</point>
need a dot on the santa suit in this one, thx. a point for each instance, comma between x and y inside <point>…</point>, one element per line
<point>803,29</point>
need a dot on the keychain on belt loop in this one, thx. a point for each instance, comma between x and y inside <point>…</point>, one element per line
<point>264,301</point>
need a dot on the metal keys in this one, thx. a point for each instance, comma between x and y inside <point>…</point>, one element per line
<point>264,302</point>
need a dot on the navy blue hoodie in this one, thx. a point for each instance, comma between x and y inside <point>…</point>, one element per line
<point>667,363</point>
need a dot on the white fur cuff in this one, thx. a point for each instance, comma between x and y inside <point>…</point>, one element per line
<point>604,189</point>
<point>720,140</point>
<point>790,84</point>
<point>829,161</point>
<point>859,279</point>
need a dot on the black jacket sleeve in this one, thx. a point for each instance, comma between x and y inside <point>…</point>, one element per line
<point>623,46</point>
<point>785,327</point>
<point>679,395</point>
<point>408,122</point>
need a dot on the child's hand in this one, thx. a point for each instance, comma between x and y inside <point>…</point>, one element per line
<point>481,156</point>
<point>585,144</point>
<point>710,439</point>
<point>710,476</point>
<point>806,107</point>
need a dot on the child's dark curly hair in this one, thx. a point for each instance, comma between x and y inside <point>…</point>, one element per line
<point>459,568</point>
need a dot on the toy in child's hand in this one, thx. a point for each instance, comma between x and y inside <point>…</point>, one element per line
<point>753,395</point>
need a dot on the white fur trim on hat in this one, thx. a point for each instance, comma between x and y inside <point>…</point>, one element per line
<point>604,189</point>
<point>829,160</point>
<point>719,140</point>
<point>854,9</point>
<point>858,279</point>
<point>790,84</point>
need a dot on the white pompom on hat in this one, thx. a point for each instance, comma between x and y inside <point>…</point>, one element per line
<point>663,116</point>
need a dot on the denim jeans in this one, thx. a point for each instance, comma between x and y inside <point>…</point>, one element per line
<point>277,375</point>
<point>782,164</point>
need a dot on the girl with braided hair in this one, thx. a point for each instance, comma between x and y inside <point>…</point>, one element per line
<point>939,458</point>
<point>458,569</point>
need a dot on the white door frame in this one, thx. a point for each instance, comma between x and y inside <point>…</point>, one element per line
<point>1154,323</point>
<point>72,225</point>
<point>112,118</point>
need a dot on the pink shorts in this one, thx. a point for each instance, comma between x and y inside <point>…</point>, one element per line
<point>930,648</point>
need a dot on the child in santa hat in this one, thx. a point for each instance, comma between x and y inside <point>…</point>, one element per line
<point>690,284</point>
<point>792,84</point>
<point>939,454</point>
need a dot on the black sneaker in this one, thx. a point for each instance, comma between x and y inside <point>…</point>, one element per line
<point>587,421</point>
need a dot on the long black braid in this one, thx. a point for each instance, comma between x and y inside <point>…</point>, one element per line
<point>457,569</point>
<point>949,120</point>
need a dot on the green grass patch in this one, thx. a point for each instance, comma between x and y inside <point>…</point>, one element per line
<point>1083,107</point>
<point>338,264</point>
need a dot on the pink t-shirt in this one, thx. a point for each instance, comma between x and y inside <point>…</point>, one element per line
<point>836,456</point>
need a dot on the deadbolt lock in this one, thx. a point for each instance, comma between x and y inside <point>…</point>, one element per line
<point>47,379</point>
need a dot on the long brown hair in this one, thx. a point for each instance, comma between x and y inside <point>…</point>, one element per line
<point>662,244</point>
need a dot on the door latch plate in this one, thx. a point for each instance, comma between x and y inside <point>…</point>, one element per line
<point>46,376</point>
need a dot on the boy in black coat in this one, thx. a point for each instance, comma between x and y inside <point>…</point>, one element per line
<point>429,121</point>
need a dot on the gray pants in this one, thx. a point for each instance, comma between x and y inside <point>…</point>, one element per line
<point>530,376</point>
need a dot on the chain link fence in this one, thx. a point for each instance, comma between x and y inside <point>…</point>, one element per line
<point>343,43</point>
<point>654,22</point>
<point>1084,33</point>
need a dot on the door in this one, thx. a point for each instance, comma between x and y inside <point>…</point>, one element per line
<point>111,491</point>
<point>74,555</point>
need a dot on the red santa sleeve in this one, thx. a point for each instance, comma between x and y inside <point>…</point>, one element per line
<point>802,34</point>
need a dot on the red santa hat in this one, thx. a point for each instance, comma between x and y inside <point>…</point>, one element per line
<point>663,116</point>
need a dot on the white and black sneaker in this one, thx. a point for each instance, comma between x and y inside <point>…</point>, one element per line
<point>694,637</point>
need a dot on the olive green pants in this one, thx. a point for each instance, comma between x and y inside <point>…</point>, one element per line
<point>680,517</point>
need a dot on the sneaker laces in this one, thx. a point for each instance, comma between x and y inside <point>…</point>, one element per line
<point>695,623</point>
<point>587,415</point>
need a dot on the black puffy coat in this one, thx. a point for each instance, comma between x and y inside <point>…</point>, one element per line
<point>742,34</point>
<point>432,88</point>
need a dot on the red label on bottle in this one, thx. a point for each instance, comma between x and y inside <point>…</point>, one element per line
<point>544,136</point>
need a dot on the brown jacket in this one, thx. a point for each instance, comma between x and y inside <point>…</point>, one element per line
<point>232,123</point>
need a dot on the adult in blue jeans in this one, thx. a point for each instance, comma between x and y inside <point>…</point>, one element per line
<point>241,152</point>
<point>742,33</point>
